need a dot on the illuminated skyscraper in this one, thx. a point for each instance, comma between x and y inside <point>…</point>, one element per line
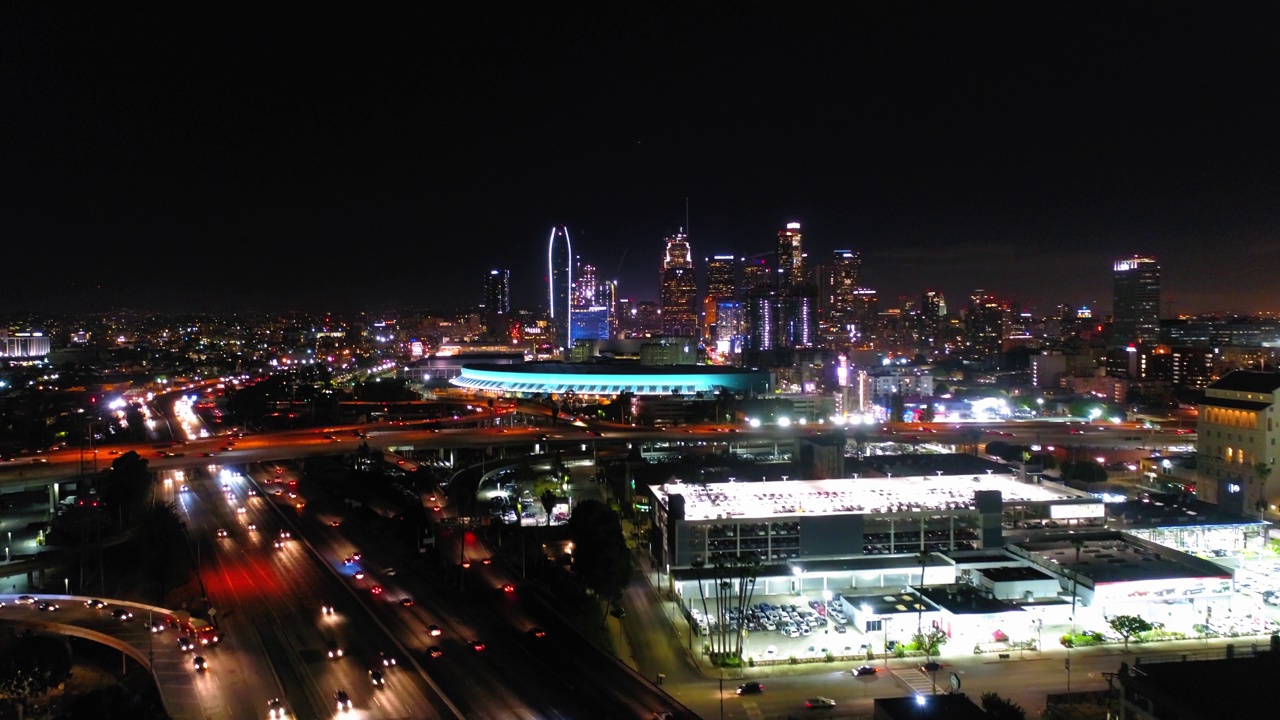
<point>722,284</point>
<point>560,287</point>
<point>584,287</point>
<point>757,271</point>
<point>838,297</point>
<point>790,257</point>
<point>1136,302</point>
<point>497,301</point>
<point>679,289</point>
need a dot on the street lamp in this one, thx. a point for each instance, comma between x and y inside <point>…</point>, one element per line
<point>67,583</point>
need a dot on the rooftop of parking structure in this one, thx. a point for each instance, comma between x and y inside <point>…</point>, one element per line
<point>906,495</point>
<point>1112,556</point>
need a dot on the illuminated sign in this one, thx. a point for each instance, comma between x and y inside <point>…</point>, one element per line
<point>793,226</point>
<point>1233,487</point>
<point>1073,511</point>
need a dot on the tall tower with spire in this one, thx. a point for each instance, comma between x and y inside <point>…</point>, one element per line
<point>679,289</point>
<point>560,287</point>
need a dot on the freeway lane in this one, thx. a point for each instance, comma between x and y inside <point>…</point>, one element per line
<point>271,597</point>
<point>487,684</point>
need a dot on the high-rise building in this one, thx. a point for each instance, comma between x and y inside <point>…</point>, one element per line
<point>584,286</point>
<point>722,284</point>
<point>790,257</point>
<point>722,276</point>
<point>984,326</point>
<point>1136,302</point>
<point>607,297</point>
<point>497,301</point>
<point>757,271</point>
<point>679,290</point>
<point>838,285</point>
<point>560,287</point>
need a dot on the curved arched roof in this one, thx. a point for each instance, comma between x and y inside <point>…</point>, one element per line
<point>609,379</point>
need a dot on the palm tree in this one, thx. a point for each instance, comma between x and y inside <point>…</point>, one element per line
<point>1078,544</point>
<point>922,556</point>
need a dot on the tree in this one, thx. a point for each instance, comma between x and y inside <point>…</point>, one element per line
<point>33,664</point>
<point>1261,471</point>
<point>923,558</point>
<point>897,407</point>
<point>999,708</point>
<point>930,642</point>
<point>600,555</point>
<point>860,438</point>
<point>548,500</point>
<point>1126,626</point>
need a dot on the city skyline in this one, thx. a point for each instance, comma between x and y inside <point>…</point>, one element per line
<point>326,161</point>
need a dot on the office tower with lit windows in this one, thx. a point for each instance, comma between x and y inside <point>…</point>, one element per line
<point>722,284</point>
<point>679,289</point>
<point>607,297</point>
<point>790,257</point>
<point>584,285</point>
<point>757,271</point>
<point>985,327</point>
<point>838,284</point>
<point>497,301</point>
<point>933,306</point>
<point>560,287</point>
<point>1135,302</point>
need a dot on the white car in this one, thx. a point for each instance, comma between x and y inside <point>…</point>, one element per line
<point>27,599</point>
<point>814,703</point>
<point>275,709</point>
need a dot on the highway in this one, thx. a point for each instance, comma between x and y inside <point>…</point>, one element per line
<point>268,599</point>
<point>269,602</point>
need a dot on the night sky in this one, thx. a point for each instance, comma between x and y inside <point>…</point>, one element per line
<point>337,156</point>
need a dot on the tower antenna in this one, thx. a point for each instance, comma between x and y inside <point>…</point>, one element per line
<point>686,216</point>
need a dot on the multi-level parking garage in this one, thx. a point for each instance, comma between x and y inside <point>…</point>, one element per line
<point>781,521</point>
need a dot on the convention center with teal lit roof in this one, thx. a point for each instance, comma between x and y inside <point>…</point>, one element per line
<point>608,380</point>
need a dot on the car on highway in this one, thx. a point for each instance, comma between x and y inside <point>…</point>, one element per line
<point>342,700</point>
<point>185,644</point>
<point>375,677</point>
<point>435,651</point>
<point>486,561</point>
<point>508,588</point>
<point>275,709</point>
<point>27,599</point>
<point>280,544</point>
<point>348,560</point>
<point>434,630</point>
<point>326,609</point>
<point>158,626</point>
<point>335,651</point>
<point>864,670</point>
<point>222,533</point>
<point>537,632</point>
<point>253,526</point>
<point>94,604</point>
<point>477,646</point>
<point>751,688</point>
<point>121,614</point>
<point>819,703</point>
<point>376,589</point>
<point>356,556</point>
<point>406,602</point>
<point>359,575</point>
<point>199,663</point>
<point>47,607</point>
